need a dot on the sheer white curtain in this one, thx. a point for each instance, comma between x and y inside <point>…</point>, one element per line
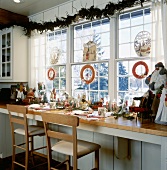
<point>159,33</point>
<point>164,29</point>
<point>37,59</point>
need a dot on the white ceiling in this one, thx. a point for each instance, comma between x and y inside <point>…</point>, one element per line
<point>29,7</point>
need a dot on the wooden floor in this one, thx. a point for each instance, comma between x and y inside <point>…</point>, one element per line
<point>5,164</point>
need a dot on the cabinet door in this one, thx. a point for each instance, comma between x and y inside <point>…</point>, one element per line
<point>13,55</point>
<point>6,66</point>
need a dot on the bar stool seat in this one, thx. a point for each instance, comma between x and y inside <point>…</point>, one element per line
<point>33,130</point>
<point>19,125</point>
<point>83,148</point>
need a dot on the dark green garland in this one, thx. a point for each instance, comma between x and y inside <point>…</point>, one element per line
<point>88,14</point>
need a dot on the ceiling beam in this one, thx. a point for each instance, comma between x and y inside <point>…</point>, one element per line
<point>8,18</point>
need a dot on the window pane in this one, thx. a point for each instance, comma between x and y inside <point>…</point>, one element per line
<point>98,85</point>
<point>135,31</point>
<point>56,47</point>
<point>124,36</point>
<point>147,16</point>
<point>128,85</point>
<point>59,82</point>
<point>56,83</point>
<point>122,68</point>
<point>105,39</point>
<point>103,83</point>
<point>63,83</point>
<point>128,33</point>
<point>78,56</point>
<point>96,32</point>
<point>137,18</point>
<point>123,83</point>
<point>62,71</point>
<point>124,51</point>
<point>125,20</point>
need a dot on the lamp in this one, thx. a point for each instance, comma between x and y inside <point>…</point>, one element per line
<point>18,1</point>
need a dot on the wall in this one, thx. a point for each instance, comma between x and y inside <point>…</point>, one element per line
<point>69,8</point>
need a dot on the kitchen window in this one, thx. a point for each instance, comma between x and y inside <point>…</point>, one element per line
<point>130,24</point>
<point>92,47</point>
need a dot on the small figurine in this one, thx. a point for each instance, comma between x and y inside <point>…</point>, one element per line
<point>156,80</point>
<point>20,96</point>
<point>53,95</point>
<point>30,96</point>
<point>13,94</point>
<point>161,117</point>
<point>66,94</point>
<point>83,103</point>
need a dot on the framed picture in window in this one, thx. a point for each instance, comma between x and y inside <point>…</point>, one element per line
<point>89,52</point>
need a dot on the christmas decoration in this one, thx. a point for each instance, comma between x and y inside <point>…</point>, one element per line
<point>134,70</point>
<point>87,80</point>
<point>51,74</point>
<point>88,14</point>
<point>89,53</point>
<point>55,55</point>
<point>142,43</point>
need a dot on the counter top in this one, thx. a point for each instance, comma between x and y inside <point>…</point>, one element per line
<point>121,123</point>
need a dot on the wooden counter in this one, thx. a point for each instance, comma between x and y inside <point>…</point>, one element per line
<point>147,127</point>
<point>121,123</point>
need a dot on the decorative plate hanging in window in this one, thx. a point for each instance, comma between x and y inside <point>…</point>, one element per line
<point>55,55</point>
<point>87,74</point>
<point>89,52</point>
<point>142,43</point>
<point>51,74</point>
<point>134,70</point>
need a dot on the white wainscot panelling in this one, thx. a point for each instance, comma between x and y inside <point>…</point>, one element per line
<point>78,4</point>
<point>151,156</point>
<point>106,151</point>
<point>51,15</point>
<point>134,161</point>
<point>100,4</point>
<point>164,153</point>
<point>37,18</point>
<point>65,9</point>
<point>88,159</point>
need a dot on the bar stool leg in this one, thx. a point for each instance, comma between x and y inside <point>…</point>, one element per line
<point>97,159</point>
<point>13,156</point>
<point>49,155</point>
<point>32,149</point>
<point>27,154</point>
<point>68,162</point>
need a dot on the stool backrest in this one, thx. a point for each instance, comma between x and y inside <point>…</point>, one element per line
<point>60,119</point>
<point>64,120</point>
<point>17,115</point>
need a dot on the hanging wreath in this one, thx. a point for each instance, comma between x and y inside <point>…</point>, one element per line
<point>134,70</point>
<point>51,74</point>
<point>82,76</point>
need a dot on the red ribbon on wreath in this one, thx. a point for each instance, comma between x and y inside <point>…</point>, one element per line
<point>134,69</point>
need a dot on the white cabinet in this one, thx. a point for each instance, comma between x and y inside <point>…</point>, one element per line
<point>6,55</point>
<point>13,55</point>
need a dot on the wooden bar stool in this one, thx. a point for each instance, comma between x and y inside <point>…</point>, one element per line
<point>67,144</point>
<point>18,117</point>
